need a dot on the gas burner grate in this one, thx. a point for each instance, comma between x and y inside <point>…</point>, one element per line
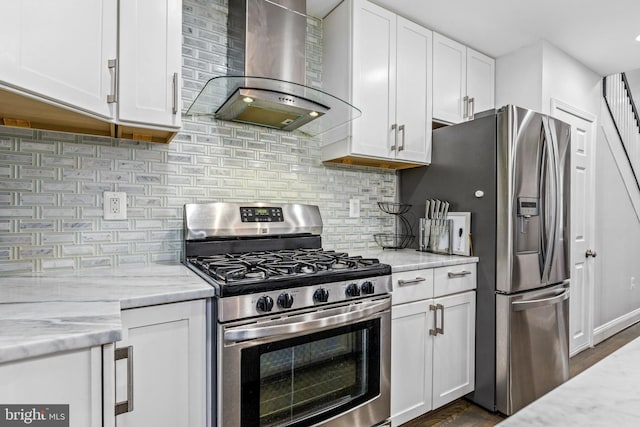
<point>269,265</point>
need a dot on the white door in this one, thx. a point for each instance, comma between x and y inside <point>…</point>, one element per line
<point>150,40</point>
<point>169,365</point>
<point>411,360</point>
<point>449,79</point>
<point>374,75</point>
<point>59,50</point>
<point>413,91</point>
<point>481,72</point>
<point>454,348</point>
<point>583,132</point>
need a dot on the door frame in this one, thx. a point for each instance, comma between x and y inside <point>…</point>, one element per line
<point>560,106</point>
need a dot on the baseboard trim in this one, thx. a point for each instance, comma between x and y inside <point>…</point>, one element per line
<point>614,326</point>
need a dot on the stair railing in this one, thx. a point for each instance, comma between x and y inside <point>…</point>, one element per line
<point>623,111</point>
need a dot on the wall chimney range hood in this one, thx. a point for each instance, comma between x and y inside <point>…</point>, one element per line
<point>266,73</point>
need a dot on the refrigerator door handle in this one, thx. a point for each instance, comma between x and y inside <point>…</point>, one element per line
<point>552,188</point>
<point>542,302</point>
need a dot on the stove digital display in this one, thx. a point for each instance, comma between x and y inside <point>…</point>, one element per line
<point>254,214</point>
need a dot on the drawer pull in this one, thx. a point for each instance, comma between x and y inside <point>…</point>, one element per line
<point>411,282</point>
<point>440,330</point>
<point>127,405</point>
<point>433,332</point>
<point>458,274</point>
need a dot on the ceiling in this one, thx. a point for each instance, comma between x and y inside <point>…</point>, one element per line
<point>599,33</point>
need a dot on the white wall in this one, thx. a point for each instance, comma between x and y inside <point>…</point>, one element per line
<point>566,79</point>
<point>531,76</point>
<point>519,78</point>
<point>617,300</point>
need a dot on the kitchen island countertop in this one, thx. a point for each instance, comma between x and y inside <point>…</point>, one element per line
<point>47,313</point>
<point>605,394</point>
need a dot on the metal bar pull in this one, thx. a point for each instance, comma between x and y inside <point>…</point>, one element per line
<point>411,282</point>
<point>175,93</point>
<point>394,128</point>
<point>542,302</point>
<point>113,66</point>
<point>472,110</point>
<point>465,107</point>
<point>401,129</point>
<point>590,253</point>
<point>434,331</point>
<point>440,330</point>
<point>127,405</point>
<point>462,273</point>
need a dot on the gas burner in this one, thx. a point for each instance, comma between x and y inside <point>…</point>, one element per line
<point>236,268</point>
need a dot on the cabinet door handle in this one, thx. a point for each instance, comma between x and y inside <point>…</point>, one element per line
<point>465,107</point>
<point>462,273</point>
<point>440,330</point>
<point>175,93</point>
<point>127,405</point>
<point>411,282</point>
<point>472,110</point>
<point>112,64</point>
<point>401,129</point>
<point>394,128</point>
<point>434,331</point>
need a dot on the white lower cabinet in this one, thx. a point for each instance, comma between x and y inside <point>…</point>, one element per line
<point>454,347</point>
<point>432,339</point>
<point>71,378</point>
<point>165,375</point>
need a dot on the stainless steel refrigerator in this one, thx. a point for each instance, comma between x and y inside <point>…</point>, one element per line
<point>511,169</point>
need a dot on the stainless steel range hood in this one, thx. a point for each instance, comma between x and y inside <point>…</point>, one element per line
<point>267,69</point>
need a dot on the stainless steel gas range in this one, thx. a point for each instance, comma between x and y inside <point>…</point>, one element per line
<point>301,334</point>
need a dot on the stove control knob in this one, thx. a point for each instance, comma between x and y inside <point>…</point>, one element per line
<point>367,288</point>
<point>353,290</point>
<point>285,300</point>
<point>265,303</point>
<point>321,295</point>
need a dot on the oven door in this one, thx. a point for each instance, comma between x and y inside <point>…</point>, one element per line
<point>327,367</point>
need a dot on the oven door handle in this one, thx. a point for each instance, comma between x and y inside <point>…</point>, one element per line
<point>364,311</point>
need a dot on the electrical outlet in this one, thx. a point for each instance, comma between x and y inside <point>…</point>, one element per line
<point>632,285</point>
<point>115,205</point>
<point>354,208</point>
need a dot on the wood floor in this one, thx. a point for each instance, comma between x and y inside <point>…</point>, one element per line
<point>462,413</point>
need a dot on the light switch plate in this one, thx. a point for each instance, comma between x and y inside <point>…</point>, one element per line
<point>115,205</point>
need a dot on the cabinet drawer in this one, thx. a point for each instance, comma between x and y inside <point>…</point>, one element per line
<point>412,286</point>
<point>454,278</point>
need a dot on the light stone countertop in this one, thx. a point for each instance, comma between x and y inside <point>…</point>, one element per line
<point>44,314</point>
<point>53,312</point>
<point>411,259</point>
<point>606,394</point>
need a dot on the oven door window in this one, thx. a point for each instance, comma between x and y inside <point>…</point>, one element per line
<point>303,380</point>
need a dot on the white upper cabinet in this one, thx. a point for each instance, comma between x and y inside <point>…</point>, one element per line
<point>59,50</point>
<point>150,61</point>
<point>381,63</point>
<point>102,67</point>
<point>463,81</point>
<point>414,91</point>
<point>481,81</point>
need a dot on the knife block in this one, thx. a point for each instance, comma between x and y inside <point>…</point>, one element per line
<point>435,236</point>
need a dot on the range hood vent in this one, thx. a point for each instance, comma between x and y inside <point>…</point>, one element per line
<point>267,69</point>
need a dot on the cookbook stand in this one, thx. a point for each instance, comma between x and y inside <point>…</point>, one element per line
<point>404,233</point>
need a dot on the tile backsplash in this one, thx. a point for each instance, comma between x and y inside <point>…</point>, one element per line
<point>51,183</point>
